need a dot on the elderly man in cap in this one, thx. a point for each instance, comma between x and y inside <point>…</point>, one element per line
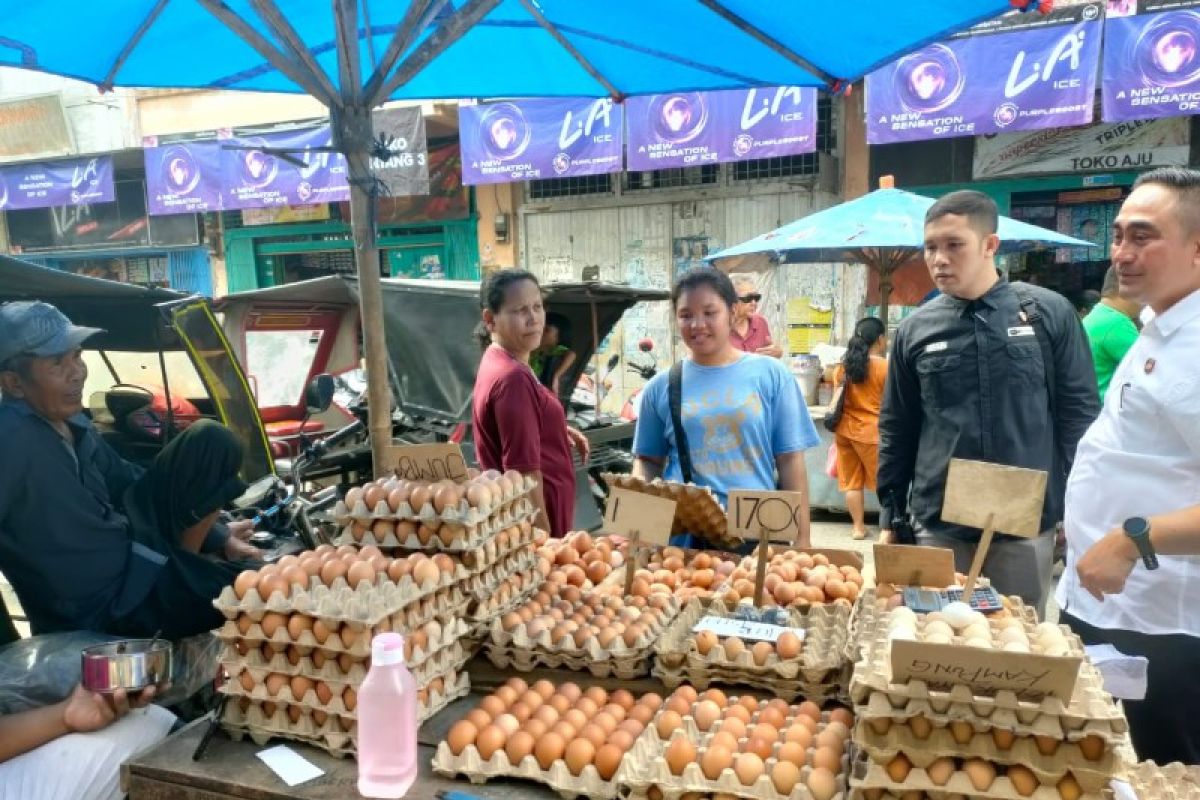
<point>88,540</point>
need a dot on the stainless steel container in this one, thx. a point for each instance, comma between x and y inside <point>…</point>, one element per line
<point>130,664</point>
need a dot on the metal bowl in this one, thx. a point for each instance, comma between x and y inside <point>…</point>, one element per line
<point>130,664</point>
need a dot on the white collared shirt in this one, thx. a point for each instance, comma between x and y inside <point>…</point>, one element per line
<point>1141,458</point>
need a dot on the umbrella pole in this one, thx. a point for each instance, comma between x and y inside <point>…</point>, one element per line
<point>352,127</point>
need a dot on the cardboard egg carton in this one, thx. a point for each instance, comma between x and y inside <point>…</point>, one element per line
<point>481,613</point>
<point>461,514</point>
<point>820,660</point>
<point>624,668</point>
<point>470,764</point>
<point>1169,782</point>
<point>1092,775</point>
<point>519,640</point>
<point>481,586</point>
<point>457,684</point>
<point>368,602</point>
<point>482,559</point>
<point>649,770</point>
<point>869,776</point>
<point>1090,709</point>
<point>791,691</point>
<point>447,535</point>
<point>332,735</point>
<point>697,511</point>
<point>688,591</point>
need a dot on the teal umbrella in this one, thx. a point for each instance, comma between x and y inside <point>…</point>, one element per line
<point>883,229</point>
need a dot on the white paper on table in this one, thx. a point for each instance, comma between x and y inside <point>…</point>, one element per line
<point>1122,790</point>
<point>292,768</point>
<point>1124,676</point>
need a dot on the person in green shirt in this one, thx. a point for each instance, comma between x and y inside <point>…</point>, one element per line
<point>1111,328</point>
<point>554,357</point>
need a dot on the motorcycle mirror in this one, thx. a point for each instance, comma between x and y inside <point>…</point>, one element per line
<point>613,361</point>
<point>646,345</point>
<point>318,395</point>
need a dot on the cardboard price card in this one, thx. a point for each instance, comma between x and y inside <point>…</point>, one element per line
<point>1028,674</point>
<point>429,462</point>
<point>629,513</point>
<point>913,565</point>
<point>772,515</point>
<point>744,629</point>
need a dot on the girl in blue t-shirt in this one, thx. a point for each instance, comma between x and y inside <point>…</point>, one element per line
<point>745,423</point>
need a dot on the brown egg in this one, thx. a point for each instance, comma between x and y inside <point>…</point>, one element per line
<point>760,746</point>
<point>493,705</point>
<point>633,727</point>
<point>507,723</point>
<point>332,570</point>
<point>244,582</point>
<point>1046,745</point>
<point>761,652</point>
<point>785,776</point>
<point>300,686</point>
<point>594,734</point>
<point>981,773</point>
<point>268,585</point>
<point>298,624</point>
<point>830,738</point>
<point>831,759</point>
<point>243,623</point>
<point>1069,788</point>
<point>272,622</point>
<point>275,683</point>
<point>426,573</point>
<point>940,771</point>
<point>549,748</point>
<point>1092,747</point>
<point>798,734</point>
<point>519,746</point>
<point>373,496</point>
<point>490,740</point>
<point>1004,739</point>
<point>716,759</point>
<point>749,768</point>
<point>705,714</point>
<point>680,705</point>
<point>822,784</point>
<point>668,721</point>
<point>479,718</point>
<point>962,731</point>
<point>353,496</point>
<point>420,496</point>
<point>705,641</point>
<point>608,760</point>
<point>1023,779</point>
<point>461,735</point>
<point>680,753</point>
<point>843,715</point>
<point>579,754</point>
<point>623,739</point>
<point>921,727</point>
<point>764,730</point>
<point>350,698</point>
<point>774,717</point>
<point>734,647</point>
<point>810,710</point>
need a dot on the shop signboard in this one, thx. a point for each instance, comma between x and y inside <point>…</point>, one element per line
<point>540,138</point>
<point>34,127</point>
<point>283,168</point>
<point>406,171</point>
<point>1151,59</point>
<point>1016,73</point>
<point>182,177</point>
<point>43,184</point>
<point>1103,147</point>
<point>687,129</point>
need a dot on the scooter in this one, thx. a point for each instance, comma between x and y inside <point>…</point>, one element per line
<point>632,406</point>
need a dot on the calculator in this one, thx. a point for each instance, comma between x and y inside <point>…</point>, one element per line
<point>983,598</point>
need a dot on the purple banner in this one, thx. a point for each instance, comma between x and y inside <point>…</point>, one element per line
<point>1019,72</point>
<point>71,182</point>
<point>183,177</point>
<point>690,128</point>
<point>545,138</point>
<point>1151,59</point>
<point>254,177</point>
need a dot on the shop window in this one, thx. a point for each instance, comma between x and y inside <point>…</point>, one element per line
<point>570,187</point>
<point>676,178</point>
<point>796,165</point>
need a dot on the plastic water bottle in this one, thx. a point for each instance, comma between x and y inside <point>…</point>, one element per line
<point>387,722</point>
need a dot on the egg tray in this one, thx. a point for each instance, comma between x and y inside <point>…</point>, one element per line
<point>480,587</point>
<point>878,635</point>
<point>1093,776</point>
<point>470,764</point>
<point>1170,782</point>
<point>1089,703</point>
<point>697,511</point>
<point>482,613</point>
<point>255,724</point>
<point>617,577</point>
<point>820,660</point>
<point>649,770</point>
<point>458,686</point>
<point>786,690</point>
<point>625,668</point>
<point>868,775</point>
<point>461,514</point>
<point>466,536</point>
<point>518,640</point>
<point>481,560</point>
<point>367,603</point>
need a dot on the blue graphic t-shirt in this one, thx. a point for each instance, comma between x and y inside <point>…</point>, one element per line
<point>738,418</point>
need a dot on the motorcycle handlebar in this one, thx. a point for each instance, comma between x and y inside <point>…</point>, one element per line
<point>348,432</point>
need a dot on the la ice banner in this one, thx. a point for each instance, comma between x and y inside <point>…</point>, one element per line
<point>65,182</point>
<point>1151,59</point>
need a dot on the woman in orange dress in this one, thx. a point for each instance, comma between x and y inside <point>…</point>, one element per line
<point>864,370</point>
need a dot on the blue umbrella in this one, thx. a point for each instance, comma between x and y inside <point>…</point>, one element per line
<point>353,55</point>
<point>882,229</point>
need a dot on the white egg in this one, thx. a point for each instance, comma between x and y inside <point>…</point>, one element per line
<point>958,614</point>
<point>903,634</point>
<point>976,631</point>
<point>937,638</point>
<point>935,616</point>
<point>1048,629</point>
<point>1013,635</point>
<point>937,628</point>
<point>1055,649</point>
<point>1015,647</point>
<point>903,613</point>
<point>1008,622</point>
<point>982,644</point>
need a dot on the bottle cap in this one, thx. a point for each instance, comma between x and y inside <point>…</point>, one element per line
<point>387,649</point>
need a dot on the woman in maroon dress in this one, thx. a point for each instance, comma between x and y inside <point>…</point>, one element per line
<point>518,423</point>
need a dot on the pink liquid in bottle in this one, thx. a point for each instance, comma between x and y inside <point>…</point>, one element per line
<point>387,722</point>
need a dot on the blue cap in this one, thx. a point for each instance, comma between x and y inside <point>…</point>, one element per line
<point>38,329</point>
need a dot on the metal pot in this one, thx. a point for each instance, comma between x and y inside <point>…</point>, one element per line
<point>130,664</point>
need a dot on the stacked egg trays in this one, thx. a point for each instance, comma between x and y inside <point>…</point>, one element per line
<point>297,659</point>
<point>575,741</point>
<point>1170,782</point>
<point>566,627</point>
<point>814,667</point>
<point>394,513</point>
<point>697,509</point>
<point>714,744</point>
<point>939,741</point>
<point>495,587</point>
<point>686,574</point>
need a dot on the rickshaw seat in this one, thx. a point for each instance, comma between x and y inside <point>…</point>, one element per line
<point>293,427</point>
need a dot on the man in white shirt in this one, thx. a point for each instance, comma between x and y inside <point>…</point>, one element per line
<point>1133,499</point>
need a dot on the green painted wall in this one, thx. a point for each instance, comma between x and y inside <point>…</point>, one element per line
<point>1002,190</point>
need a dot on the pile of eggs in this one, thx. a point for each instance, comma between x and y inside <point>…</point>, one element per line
<point>296,713</point>
<point>580,560</point>
<point>731,648</point>
<point>958,623</point>
<point>796,579</point>
<point>754,738</point>
<point>575,619</point>
<point>346,565</point>
<point>921,728</point>
<point>591,729</point>
<point>673,570</point>
<point>980,772</point>
<point>483,492</point>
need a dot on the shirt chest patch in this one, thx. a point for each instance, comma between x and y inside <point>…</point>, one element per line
<point>937,347</point>
<point>1019,331</point>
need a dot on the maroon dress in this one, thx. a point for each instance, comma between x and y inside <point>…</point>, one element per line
<point>519,424</point>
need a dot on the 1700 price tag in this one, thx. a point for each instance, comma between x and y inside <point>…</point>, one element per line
<point>777,515</point>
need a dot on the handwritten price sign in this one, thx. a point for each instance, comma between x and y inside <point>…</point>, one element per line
<point>744,629</point>
<point>429,462</point>
<point>778,515</point>
<point>627,513</point>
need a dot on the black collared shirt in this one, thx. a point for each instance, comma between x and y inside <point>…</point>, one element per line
<point>967,380</point>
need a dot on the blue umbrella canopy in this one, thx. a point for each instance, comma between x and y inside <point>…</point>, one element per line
<point>884,220</point>
<point>431,49</point>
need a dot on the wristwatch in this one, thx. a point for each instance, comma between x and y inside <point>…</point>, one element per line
<point>1138,530</point>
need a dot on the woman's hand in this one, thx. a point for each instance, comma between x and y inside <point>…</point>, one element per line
<point>84,711</point>
<point>579,442</point>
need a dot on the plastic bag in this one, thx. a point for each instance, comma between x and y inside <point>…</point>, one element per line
<point>44,669</point>
<point>831,461</point>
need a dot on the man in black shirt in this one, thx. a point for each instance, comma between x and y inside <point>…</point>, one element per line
<point>968,379</point>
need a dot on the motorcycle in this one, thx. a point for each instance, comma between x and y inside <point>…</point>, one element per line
<point>629,411</point>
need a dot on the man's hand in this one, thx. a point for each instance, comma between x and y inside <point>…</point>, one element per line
<point>84,711</point>
<point>241,529</point>
<point>772,350</point>
<point>1104,568</point>
<point>237,550</point>
<point>579,442</point>
<point>886,536</point>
